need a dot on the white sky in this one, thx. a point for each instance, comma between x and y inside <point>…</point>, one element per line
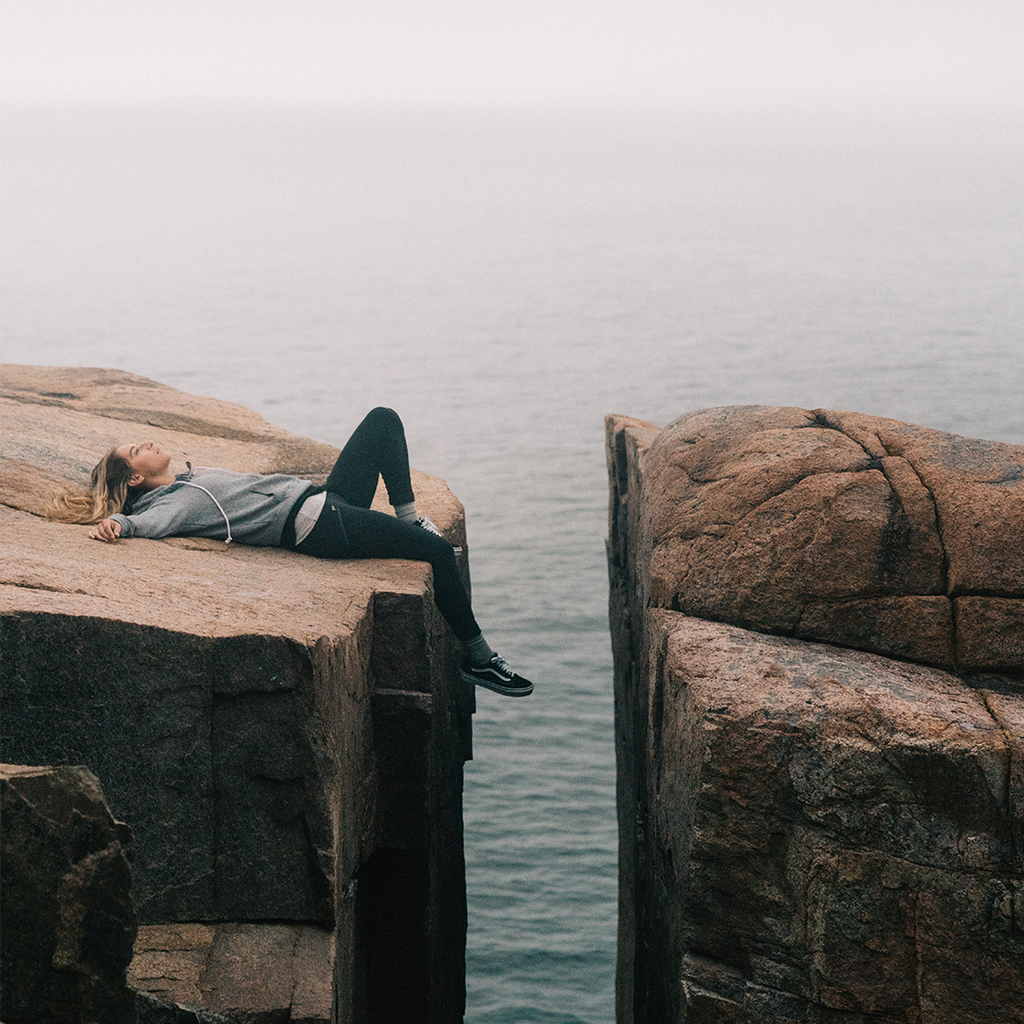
<point>646,52</point>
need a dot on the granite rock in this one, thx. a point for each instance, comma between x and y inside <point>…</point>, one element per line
<point>840,827</point>
<point>807,831</point>
<point>231,698</point>
<point>840,527</point>
<point>68,918</point>
<point>239,971</point>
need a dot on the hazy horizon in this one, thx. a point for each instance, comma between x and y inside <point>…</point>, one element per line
<point>654,54</point>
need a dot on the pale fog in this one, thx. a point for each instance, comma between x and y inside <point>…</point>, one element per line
<point>655,53</point>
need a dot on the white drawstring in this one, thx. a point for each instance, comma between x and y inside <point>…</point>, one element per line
<point>215,501</point>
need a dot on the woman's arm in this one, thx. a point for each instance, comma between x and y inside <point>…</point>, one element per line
<point>178,511</point>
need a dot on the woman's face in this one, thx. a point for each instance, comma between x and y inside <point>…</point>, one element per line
<point>147,461</point>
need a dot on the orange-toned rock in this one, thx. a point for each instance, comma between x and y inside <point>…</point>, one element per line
<point>271,726</point>
<point>809,832</point>
<point>841,822</point>
<point>840,527</point>
<point>233,972</point>
<point>58,422</point>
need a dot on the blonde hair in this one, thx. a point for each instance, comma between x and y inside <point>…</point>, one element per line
<point>108,493</point>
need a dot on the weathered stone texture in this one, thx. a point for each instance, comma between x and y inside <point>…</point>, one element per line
<point>841,827</point>
<point>259,973</point>
<point>245,708</point>
<point>810,832</point>
<point>65,900</point>
<point>840,527</point>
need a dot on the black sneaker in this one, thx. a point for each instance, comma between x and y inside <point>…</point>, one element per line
<point>428,524</point>
<point>497,676</point>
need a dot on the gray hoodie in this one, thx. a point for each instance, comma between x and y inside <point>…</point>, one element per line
<point>246,507</point>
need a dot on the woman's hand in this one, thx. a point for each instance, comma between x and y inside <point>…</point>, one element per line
<point>108,531</point>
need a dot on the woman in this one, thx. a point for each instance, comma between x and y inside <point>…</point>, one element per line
<point>133,493</point>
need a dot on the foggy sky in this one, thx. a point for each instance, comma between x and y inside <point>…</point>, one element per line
<point>645,53</point>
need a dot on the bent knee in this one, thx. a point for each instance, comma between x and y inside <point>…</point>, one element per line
<point>385,417</point>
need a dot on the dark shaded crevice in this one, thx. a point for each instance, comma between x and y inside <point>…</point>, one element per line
<point>1005,796</point>
<point>621,464</point>
<point>26,511</point>
<point>23,585</point>
<point>793,633</point>
<point>392,923</point>
<point>823,420</point>
<point>954,641</point>
<point>658,711</point>
<point>935,510</point>
<point>26,397</point>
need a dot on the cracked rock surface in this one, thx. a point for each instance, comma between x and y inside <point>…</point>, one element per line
<point>818,639</point>
<point>837,526</point>
<point>65,881</point>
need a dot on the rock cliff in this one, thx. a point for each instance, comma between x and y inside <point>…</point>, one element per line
<point>65,881</point>
<point>284,736</point>
<point>818,630</point>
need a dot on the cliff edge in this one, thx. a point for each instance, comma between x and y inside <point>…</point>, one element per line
<point>284,736</point>
<point>818,631</point>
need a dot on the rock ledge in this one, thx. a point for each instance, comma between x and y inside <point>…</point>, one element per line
<point>284,736</point>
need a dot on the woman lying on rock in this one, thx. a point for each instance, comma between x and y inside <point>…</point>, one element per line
<point>133,493</point>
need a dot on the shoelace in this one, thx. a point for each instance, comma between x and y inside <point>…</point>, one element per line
<point>428,524</point>
<point>424,523</point>
<point>501,665</point>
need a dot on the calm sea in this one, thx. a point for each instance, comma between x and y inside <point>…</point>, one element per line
<point>505,279</point>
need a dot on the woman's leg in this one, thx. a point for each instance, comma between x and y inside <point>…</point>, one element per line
<point>377,447</point>
<point>349,528</point>
<point>344,531</point>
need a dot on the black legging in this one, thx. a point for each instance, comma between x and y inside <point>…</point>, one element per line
<point>376,448</point>
<point>349,528</point>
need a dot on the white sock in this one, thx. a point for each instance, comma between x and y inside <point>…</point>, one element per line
<point>478,651</point>
<point>407,513</point>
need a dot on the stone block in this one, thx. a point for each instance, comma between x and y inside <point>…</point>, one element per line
<point>235,973</point>
<point>832,825</point>
<point>810,831</point>
<point>989,632</point>
<point>65,899</point>
<point>834,526</point>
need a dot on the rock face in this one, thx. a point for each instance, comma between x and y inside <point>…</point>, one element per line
<point>65,881</point>
<point>840,527</point>
<point>239,970</point>
<point>811,832</point>
<point>285,736</point>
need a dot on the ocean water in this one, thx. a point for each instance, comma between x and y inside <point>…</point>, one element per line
<point>505,279</point>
